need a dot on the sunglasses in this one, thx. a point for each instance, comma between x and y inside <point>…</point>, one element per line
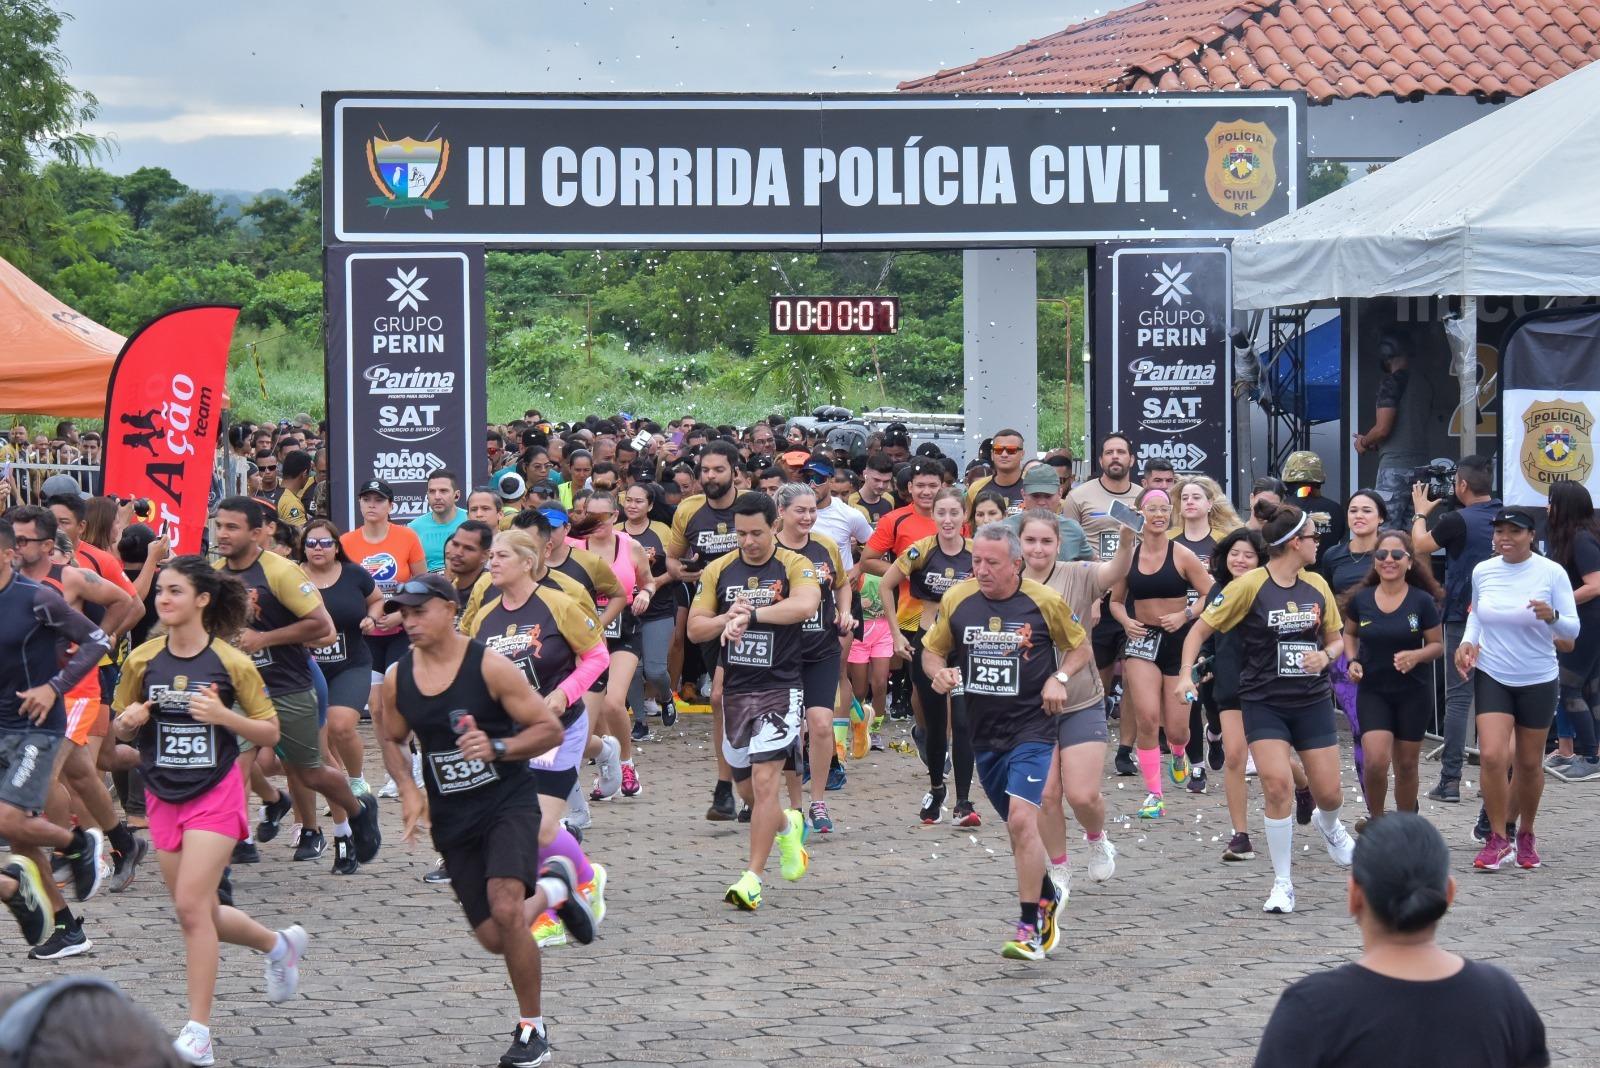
<point>1391,554</point>
<point>816,478</point>
<point>605,487</point>
<point>266,467</point>
<point>1005,450</point>
<point>319,543</point>
<point>417,587</point>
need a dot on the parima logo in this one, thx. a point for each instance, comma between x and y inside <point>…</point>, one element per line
<point>408,171</point>
<point>1171,285</point>
<point>407,289</point>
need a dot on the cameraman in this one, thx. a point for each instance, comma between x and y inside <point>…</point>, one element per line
<point>1466,535</point>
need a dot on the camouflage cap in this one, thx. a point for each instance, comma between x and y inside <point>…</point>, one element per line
<point>1303,466</point>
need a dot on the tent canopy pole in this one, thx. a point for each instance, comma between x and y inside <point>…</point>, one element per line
<point>1469,376</point>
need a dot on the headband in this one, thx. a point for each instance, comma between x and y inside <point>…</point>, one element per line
<point>1289,536</point>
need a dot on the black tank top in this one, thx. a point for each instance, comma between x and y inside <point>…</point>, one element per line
<point>462,793</point>
<point>1166,582</point>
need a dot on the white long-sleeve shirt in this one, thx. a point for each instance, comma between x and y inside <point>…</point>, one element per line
<point>1515,646</point>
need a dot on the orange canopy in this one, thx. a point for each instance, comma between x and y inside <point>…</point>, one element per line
<point>53,361</point>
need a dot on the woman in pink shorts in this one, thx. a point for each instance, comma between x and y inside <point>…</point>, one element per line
<point>871,655</point>
<point>176,700</point>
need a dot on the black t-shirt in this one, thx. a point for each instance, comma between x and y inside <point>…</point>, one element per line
<point>931,572</point>
<point>1585,561</point>
<point>819,638</point>
<point>543,637</point>
<point>1383,634</point>
<point>1328,515</point>
<point>346,602</point>
<point>1343,568</point>
<point>1278,626</point>
<point>1352,1017</point>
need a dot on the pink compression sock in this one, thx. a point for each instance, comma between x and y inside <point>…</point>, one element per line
<point>1150,768</point>
<point>567,846</point>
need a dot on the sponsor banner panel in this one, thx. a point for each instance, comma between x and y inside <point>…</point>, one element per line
<point>1549,404</point>
<point>405,371</point>
<point>1163,316</point>
<point>806,171</point>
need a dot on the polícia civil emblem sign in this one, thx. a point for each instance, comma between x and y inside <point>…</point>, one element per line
<point>1240,175</point>
<point>408,171</point>
<point>1557,443</point>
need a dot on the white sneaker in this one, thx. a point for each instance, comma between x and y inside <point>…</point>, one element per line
<point>1341,847</point>
<point>609,781</point>
<point>1249,764</point>
<point>1102,858</point>
<point>416,769</point>
<point>283,976</point>
<point>577,817</point>
<point>1061,875</point>
<point>390,789</point>
<point>1282,897</point>
<point>652,707</point>
<point>194,1045</point>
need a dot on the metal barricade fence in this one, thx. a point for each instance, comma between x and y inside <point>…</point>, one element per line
<point>25,478</point>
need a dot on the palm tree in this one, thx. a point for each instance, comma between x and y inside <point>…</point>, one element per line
<point>812,370</point>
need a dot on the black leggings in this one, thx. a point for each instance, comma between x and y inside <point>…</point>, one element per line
<point>933,710</point>
<point>1203,717</point>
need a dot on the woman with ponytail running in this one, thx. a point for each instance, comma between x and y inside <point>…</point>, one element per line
<point>1207,517</point>
<point>176,701</point>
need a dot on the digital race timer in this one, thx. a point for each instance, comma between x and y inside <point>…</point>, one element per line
<point>835,315</point>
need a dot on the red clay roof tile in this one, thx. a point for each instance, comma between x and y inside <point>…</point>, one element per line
<point>1332,48</point>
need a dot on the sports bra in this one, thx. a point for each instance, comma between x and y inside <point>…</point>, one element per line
<point>1166,582</point>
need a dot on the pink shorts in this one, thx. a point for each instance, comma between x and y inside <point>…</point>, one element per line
<point>876,642</point>
<point>219,810</point>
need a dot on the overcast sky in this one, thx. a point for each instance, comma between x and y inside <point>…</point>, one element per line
<point>225,94</point>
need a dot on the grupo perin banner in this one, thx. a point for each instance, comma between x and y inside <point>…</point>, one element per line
<point>162,413</point>
<point>1550,398</point>
<point>905,170</point>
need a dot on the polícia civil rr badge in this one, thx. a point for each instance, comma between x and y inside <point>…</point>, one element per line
<point>1557,443</point>
<point>408,171</point>
<point>1240,175</point>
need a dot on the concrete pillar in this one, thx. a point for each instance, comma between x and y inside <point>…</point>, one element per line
<point>1000,344</point>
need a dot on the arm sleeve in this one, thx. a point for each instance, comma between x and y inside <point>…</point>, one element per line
<point>841,578</point>
<point>600,573</point>
<point>53,612</point>
<point>1389,392</point>
<point>860,526</point>
<point>364,583</point>
<point>591,663</point>
<point>705,594</point>
<point>1283,1042</point>
<point>1563,601</point>
<point>676,542</point>
<point>1427,614</point>
<point>471,622</point>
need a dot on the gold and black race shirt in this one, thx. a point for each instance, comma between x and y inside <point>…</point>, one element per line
<point>1007,650</point>
<point>1277,626</point>
<point>931,571</point>
<point>700,531</point>
<point>767,657</point>
<point>543,637</point>
<point>181,758</point>
<point>280,595</point>
<point>819,638</point>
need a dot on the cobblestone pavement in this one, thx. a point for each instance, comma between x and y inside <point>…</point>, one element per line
<point>886,954</point>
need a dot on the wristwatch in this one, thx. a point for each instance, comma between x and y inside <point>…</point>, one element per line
<point>498,748</point>
<point>1062,677</point>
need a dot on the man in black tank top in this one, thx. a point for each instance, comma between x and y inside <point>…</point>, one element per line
<point>477,723</point>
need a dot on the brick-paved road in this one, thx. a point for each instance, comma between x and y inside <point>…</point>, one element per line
<point>886,954</point>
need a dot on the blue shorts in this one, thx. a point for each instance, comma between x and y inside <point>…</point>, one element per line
<point>1019,773</point>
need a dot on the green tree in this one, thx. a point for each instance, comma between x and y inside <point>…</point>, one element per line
<point>1325,176</point>
<point>809,369</point>
<point>144,192</point>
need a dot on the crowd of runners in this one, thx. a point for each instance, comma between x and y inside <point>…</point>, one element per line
<point>608,571</point>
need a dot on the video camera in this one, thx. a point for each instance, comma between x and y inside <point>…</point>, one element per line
<point>1440,478</point>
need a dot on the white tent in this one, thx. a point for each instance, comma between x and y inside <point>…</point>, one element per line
<point>1506,206</point>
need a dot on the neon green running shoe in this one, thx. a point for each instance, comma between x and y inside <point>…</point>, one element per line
<point>549,931</point>
<point>746,893</point>
<point>1178,769</point>
<point>791,847</point>
<point>1026,946</point>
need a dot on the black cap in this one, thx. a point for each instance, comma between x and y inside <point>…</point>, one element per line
<point>376,485</point>
<point>544,489</point>
<point>420,590</point>
<point>1516,517</point>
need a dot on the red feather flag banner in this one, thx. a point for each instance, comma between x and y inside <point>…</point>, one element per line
<point>162,414</point>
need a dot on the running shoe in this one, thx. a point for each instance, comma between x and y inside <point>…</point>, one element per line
<point>245,853</point>
<point>578,812</point>
<point>1341,847</point>
<point>721,810</point>
<point>1580,769</point>
<point>344,855</point>
<point>365,836</point>
<point>609,781</point>
<point>1282,897</point>
<point>88,868</point>
<point>877,741</point>
<point>1359,824</point>
<point>1154,807</point>
<point>64,941</point>
<point>549,932</point>
<point>836,777</point>
<point>1527,855</point>
<point>965,815</point>
<point>60,868</point>
<point>1447,791</point>
<point>576,832</point>
<point>1239,848</point>
<point>574,913</point>
<point>193,1045</point>
<point>1178,769</point>
<point>28,902</point>
<point>1214,754</point>
<point>745,893</point>
<point>1197,779</point>
<point>932,806</point>
<point>821,822</point>
<point>669,712</point>
<point>1025,946</point>
<point>391,789</point>
<point>649,708</point>
<point>283,975</point>
<point>126,865</point>
<point>1303,806</point>
<point>744,814</point>
<point>1049,929</point>
<point>1124,761</point>
<point>1495,852</point>
<point>1102,857</point>
<point>310,845</point>
<point>860,730</point>
<point>794,860</point>
<point>529,1048</point>
<point>1555,758</point>
<point>272,814</point>
<point>1480,830</point>
<point>630,781</point>
<point>437,875</point>
<point>594,892</point>
<point>641,731</point>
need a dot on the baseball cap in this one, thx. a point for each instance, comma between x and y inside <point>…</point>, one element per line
<point>796,457</point>
<point>420,590</point>
<point>61,486</point>
<point>543,489</point>
<point>378,486</point>
<point>820,463</point>
<point>555,513</point>
<point>1516,517</point>
<point>511,486</point>
<point>1041,478</point>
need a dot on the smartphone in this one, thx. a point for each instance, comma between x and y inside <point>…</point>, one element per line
<point>1127,517</point>
<point>640,440</point>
